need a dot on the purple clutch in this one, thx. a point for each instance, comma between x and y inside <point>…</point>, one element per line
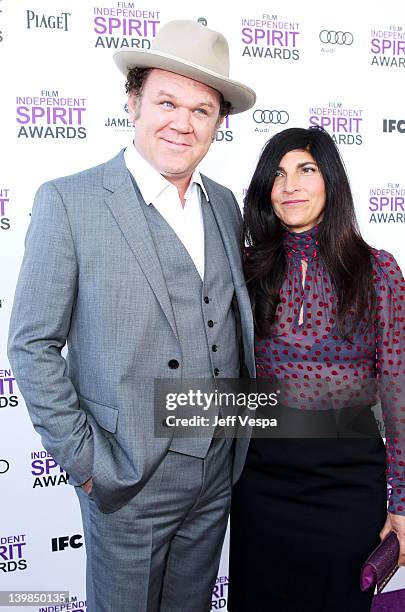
<point>381,564</point>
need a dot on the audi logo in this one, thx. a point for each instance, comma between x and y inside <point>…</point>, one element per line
<point>336,38</point>
<point>4,466</point>
<point>270,116</point>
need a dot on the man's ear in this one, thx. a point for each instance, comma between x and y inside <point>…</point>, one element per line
<point>133,107</point>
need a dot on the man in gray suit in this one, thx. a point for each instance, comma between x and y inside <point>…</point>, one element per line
<point>135,264</point>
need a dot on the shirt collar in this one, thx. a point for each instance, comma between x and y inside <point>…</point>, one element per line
<point>150,182</point>
<point>303,245</point>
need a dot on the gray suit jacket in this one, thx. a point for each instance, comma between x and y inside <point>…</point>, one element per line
<point>91,277</point>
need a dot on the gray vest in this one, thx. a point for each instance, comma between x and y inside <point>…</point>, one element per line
<point>202,310</point>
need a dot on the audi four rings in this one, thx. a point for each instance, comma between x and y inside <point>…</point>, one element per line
<point>336,38</point>
<point>270,116</point>
<point>4,465</point>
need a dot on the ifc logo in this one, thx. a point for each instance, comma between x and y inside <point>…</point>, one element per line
<point>63,542</point>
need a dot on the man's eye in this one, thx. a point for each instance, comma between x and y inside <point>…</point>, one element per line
<point>167,104</point>
<point>279,173</point>
<point>200,111</point>
<point>308,169</point>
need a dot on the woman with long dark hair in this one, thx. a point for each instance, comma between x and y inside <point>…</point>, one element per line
<point>329,316</point>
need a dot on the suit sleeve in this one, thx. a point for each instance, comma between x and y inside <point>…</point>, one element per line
<point>39,326</point>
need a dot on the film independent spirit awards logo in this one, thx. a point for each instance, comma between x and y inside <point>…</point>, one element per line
<point>387,47</point>
<point>125,25</point>
<point>270,37</point>
<point>8,389</point>
<point>5,206</point>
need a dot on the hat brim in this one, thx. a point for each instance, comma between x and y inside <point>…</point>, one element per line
<point>240,96</point>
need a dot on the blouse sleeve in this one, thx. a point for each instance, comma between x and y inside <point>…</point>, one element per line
<point>390,366</point>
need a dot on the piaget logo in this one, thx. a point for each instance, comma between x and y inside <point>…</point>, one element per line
<point>42,21</point>
<point>125,26</point>
<point>270,37</point>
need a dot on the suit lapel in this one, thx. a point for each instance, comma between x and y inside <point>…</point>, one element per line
<point>126,209</point>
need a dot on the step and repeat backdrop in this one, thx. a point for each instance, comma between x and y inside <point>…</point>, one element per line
<point>63,109</point>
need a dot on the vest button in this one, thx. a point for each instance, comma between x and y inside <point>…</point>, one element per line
<point>173,364</point>
<point>210,323</point>
<point>216,371</point>
<point>207,300</point>
<point>214,348</point>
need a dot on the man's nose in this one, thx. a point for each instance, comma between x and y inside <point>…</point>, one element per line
<point>181,120</point>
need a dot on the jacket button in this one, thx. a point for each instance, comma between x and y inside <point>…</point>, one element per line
<point>216,371</point>
<point>173,364</point>
<point>207,300</point>
<point>214,348</point>
<point>210,323</point>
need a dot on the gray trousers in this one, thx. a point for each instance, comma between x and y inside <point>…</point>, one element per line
<point>161,551</point>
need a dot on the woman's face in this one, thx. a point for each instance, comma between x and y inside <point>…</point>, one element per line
<point>298,196</point>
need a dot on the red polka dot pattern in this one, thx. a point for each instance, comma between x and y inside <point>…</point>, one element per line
<point>316,364</point>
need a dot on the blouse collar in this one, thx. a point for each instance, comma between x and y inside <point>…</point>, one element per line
<point>303,245</point>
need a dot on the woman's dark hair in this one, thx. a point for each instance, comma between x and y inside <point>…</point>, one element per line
<point>346,256</point>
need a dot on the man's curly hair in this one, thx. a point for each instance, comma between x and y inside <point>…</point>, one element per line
<point>136,79</point>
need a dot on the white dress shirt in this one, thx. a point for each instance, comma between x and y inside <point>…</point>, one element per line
<point>187,221</point>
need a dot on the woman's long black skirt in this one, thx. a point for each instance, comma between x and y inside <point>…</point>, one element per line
<point>306,513</point>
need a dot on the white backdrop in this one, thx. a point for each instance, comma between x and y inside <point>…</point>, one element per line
<point>340,65</point>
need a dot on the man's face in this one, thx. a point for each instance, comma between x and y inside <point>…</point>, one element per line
<point>175,122</point>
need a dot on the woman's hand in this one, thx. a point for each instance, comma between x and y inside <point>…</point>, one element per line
<point>396,522</point>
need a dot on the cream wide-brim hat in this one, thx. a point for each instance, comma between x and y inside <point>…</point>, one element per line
<point>194,51</point>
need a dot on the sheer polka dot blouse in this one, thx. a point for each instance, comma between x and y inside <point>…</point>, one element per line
<point>304,348</point>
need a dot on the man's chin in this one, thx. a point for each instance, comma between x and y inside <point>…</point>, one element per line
<point>176,172</point>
